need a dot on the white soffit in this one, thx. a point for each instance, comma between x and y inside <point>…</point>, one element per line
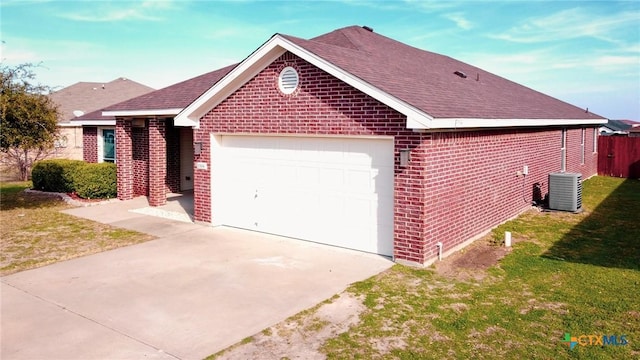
<point>149,112</point>
<point>466,123</point>
<point>94,122</point>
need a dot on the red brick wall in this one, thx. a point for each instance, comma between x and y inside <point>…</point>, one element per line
<point>157,162</point>
<point>124,159</point>
<point>140,153</point>
<point>90,144</point>
<point>472,181</point>
<point>455,186</point>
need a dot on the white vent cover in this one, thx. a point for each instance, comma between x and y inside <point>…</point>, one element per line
<point>288,80</point>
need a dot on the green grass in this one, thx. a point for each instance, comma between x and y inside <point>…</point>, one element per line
<point>568,273</point>
<point>35,233</point>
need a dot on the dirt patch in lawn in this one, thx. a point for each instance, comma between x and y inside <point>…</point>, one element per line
<point>301,336</point>
<point>472,262</point>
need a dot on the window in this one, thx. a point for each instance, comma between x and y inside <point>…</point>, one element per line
<point>106,145</point>
<point>563,151</point>
<point>595,140</point>
<point>582,147</point>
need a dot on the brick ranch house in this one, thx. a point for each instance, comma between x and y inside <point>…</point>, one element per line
<point>351,139</point>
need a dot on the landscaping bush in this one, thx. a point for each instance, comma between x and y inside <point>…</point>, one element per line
<point>55,175</point>
<point>96,181</point>
<point>88,180</point>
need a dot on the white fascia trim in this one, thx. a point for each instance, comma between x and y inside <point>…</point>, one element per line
<point>265,55</point>
<point>237,77</point>
<point>95,122</point>
<point>150,112</point>
<point>72,124</point>
<point>467,123</point>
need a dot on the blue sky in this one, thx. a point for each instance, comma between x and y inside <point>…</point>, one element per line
<point>583,52</point>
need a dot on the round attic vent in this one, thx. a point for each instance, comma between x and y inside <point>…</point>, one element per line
<point>288,80</point>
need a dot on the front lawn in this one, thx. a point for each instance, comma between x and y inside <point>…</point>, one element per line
<point>576,274</point>
<point>35,233</point>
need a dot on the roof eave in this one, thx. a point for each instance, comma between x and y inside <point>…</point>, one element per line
<point>94,122</point>
<point>147,112</point>
<point>470,123</point>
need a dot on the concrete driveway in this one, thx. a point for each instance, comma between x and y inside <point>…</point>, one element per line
<point>192,292</point>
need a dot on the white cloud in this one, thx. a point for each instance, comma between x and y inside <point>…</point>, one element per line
<point>430,6</point>
<point>17,55</point>
<point>615,61</point>
<point>6,3</point>
<point>106,12</point>
<point>19,49</point>
<point>459,20</point>
<point>570,24</point>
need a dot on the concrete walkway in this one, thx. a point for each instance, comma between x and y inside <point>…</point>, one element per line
<point>190,293</point>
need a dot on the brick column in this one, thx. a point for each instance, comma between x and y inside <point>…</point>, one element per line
<point>90,144</point>
<point>157,162</point>
<point>202,178</point>
<point>124,159</point>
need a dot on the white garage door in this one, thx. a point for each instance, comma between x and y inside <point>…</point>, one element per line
<point>337,191</point>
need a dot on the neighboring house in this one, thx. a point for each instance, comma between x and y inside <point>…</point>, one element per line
<point>85,97</point>
<point>351,139</point>
<point>634,132</point>
<point>616,127</point>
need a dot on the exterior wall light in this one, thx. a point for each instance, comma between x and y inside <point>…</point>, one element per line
<point>197,148</point>
<point>404,157</point>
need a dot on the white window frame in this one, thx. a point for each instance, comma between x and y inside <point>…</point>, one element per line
<point>563,151</point>
<point>595,140</point>
<point>582,146</point>
<point>101,143</point>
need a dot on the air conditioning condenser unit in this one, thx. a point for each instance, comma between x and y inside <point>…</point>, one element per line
<point>565,191</point>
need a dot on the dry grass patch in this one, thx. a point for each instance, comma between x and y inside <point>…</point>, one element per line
<point>35,233</point>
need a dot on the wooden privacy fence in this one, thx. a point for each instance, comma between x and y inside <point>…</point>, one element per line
<point>619,156</point>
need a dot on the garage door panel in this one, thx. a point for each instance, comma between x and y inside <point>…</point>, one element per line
<point>326,190</point>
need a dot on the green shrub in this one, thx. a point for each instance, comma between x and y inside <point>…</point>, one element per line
<point>96,181</point>
<point>88,180</point>
<point>55,175</point>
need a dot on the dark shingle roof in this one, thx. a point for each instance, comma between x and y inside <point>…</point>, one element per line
<point>176,96</point>
<point>427,81</point>
<point>423,79</point>
<point>617,125</point>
